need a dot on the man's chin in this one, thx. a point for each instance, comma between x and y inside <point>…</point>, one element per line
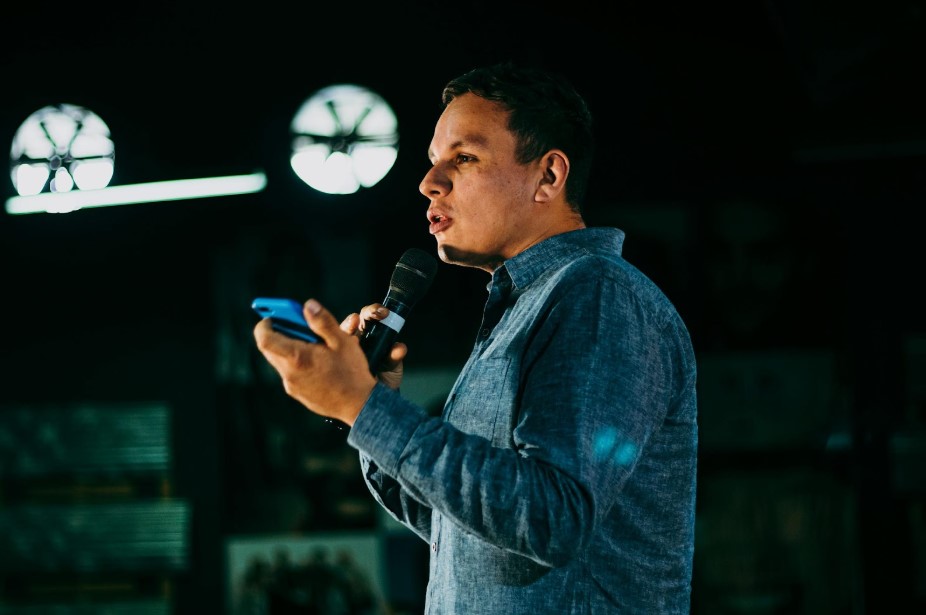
<point>465,258</point>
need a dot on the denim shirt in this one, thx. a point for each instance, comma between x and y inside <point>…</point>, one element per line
<point>560,477</point>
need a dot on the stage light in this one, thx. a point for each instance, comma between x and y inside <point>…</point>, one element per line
<point>344,138</point>
<point>62,160</point>
<point>60,148</point>
<point>150,192</point>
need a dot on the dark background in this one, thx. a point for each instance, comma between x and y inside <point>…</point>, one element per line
<point>766,160</point>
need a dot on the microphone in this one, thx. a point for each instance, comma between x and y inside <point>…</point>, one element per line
<point>410,280</point>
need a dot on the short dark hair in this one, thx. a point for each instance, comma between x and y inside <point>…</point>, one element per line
<point>545,112</point>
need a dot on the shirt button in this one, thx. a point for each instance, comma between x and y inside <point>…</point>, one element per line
<point>485,332</point>
<point>434,547</point>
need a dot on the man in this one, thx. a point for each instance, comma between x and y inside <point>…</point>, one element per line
<point>560,477</point>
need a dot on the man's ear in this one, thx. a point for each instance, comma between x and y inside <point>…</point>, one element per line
<point>554,168</point>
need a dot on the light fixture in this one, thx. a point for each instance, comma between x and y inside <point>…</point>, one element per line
<point>130,194</point>
<point>62,159</point>
<point>344,138</point>
<point>61,148</point>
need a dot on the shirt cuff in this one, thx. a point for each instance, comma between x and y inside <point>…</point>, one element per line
<point>384,426</point>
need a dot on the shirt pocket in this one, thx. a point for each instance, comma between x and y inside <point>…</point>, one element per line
<point>484,402</point>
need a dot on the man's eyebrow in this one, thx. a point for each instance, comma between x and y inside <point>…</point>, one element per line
<point>471,140</point>
<point>468,141</point>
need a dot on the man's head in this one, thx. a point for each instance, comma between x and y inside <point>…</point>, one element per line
<point>545,112</point>
<point>510,162</point>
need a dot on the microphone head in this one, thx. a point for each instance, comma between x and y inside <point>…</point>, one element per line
<point>411,278</point>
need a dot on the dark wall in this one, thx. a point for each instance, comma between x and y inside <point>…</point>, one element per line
<point>765,159</point>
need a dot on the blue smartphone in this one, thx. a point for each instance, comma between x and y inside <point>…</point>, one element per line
<point>286,317</point>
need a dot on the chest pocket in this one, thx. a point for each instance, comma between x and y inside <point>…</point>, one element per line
<point>483,401</point>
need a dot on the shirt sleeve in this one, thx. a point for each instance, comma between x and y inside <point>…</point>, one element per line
<point>387,491</point>
<point>591,380</point>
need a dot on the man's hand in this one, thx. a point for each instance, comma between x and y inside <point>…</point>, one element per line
<point>332,378</point>
<point>354,324</point>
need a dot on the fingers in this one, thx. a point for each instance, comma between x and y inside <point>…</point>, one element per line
<point>351,324</point>
<point>263,333</point>
<point>332,378</point>
<point>321,321</point>
<point>397,354</point>
<point>392,369</point>
<point>276,347</point>
<point>372,312</point>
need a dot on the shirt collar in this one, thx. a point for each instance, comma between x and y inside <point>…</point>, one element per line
<point>558,250</point>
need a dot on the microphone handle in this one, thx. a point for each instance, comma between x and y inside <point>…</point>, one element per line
<point>379,336</point>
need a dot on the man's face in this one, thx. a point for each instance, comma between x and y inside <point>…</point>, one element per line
<point>481,198</point>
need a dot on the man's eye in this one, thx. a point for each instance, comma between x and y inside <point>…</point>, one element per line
<point>465,158</point>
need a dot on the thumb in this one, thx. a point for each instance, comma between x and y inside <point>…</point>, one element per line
<point>351,324</point>
<point>320,320</point>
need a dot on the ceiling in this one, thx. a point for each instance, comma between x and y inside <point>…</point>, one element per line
<point>196,88</point>
<point>686,95</point>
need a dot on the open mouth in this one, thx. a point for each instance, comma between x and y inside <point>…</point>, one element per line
<point>438,223</point>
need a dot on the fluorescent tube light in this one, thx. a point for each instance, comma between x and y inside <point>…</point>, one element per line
<point>179,189</point>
